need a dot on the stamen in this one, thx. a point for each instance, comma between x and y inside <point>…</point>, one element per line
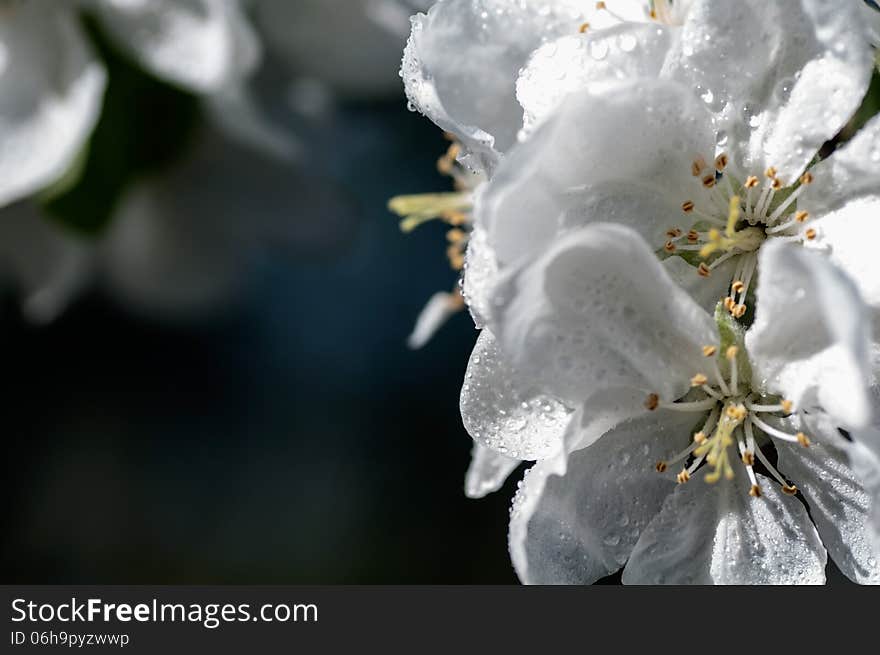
<point>697,166</point>
<point>709,351</point>
<point>750,436</point>
<point>719,378</point>
<point>699,380</point>
<point>810,234</point>
<point>669,247</point>
<point>687,207</point>
<point>583,28</point>
<point>789,489</point>
<point>693,236</point>
<point>703,270</point>
<point>652,402</point>
<point>721,162</point>
<point>800,437</point>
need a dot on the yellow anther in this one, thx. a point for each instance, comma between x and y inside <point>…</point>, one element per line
<point>787,406</point>
<point>600,5</point>
<point>789,489</point>
<point>693,236</point>
<point>755,491</point>
<point>737,286</point>
<point>683,477</point>
<point>673,233</point>
<point>731,353</point>
<point>660,467</point>
<point>739,311</point>
<point>776,184</point>
<point>456,236</point>
<point>584,27</point>
<point>803,439</point>
<point>807,178</point>
<point>729,304</point>
<point>669,247</point>
<point>801,216</point>
<point>770,172</point>
<point>709,351</point>
<point>697,166</point>
<point>699,380</point>
<point>652,14</point>
<point>733,213</point>
<point>703,270</point>
<point>699,437</point>
<point>709,181</point>
<point>748,458</point>
<point>721,162</point>
<point>652,401</point>
<point>751,182</point>
<point>687,207</point>
<point>810,234</point>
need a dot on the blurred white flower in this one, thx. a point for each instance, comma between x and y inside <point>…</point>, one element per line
<point>594,327</point>
<point>51,83</point>
<point>347,48</point>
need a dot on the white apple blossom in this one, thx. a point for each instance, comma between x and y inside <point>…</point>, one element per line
<point>52,84</point>
<point>583,335</point>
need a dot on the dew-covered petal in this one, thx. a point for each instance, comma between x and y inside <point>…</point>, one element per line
<point>578,61</point>
<point>506,411</point>
<point>706,291</point>
<point>622,154</point>
<point>810,339</point>
<point>462,59</point>
<point>852,171</point>
<point>201,45</point>
<point>47,265</point>
<point>576,523</point>
<point>598,311</point>
<point>487,472</point>
<point>845,235</point>
<point>718,534</point>
<point>480,271</point>
<point>784,76</point>
<point>866,465</point>
<point>51,88</point>
<point>839,505</point>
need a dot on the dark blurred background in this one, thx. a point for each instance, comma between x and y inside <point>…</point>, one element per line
<point>289,438</point>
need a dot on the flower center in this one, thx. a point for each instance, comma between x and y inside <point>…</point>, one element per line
<point>734,218</point>
<point>734,416</point>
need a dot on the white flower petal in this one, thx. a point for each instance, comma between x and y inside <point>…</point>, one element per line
<point>51,88</point>
<point>440,308</point>
<point>575,62</point>
<point>810,338</point>
<point>629,162</point>
<point>871,13</point>
<point>487,472</point>
<point>838,504</point>
<point>850,172</point>
<point>785,76</point>
<point>706,291</point>
<point>202,45</point>
<point>462,59</point>
<point>718,534</point>
<point>577,523</point>
<point>866,464</point>
<point>505,411</point>
<point>844,233</point>
<point>598,311</point>
<point>47,265</point>
<point>480,270</point>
